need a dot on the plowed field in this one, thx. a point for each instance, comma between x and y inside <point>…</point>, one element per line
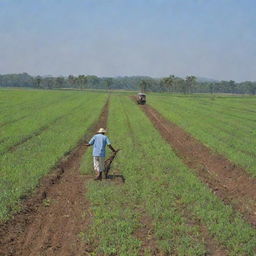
<point>169,192</point>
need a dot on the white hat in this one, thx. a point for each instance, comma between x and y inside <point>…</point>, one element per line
<point>101,130</point>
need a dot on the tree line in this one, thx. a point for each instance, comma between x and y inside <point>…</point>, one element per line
<point>170,84</point>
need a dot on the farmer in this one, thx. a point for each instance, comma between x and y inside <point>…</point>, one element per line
<point>99,142</point>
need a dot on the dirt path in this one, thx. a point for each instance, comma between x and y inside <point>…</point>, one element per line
<point>56,213</point>
<point>228,181</point>
<point>146,231</point>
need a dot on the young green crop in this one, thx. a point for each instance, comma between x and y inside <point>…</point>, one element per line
<point>226,124</point>
<point>168,192</point>
<point>36,116</point>
<point>114,218</point>
<point>15,104</point>
<point>126,203</point>
<point>22,168</point>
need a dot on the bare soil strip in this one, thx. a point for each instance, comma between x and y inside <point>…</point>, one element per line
<point>228,181</point>
<point>146,231</point>
<point>55,214</point>
<point>212,245</point>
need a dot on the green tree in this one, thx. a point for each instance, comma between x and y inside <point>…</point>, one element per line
<point>37,81</point>
<point>71,80</point>
<point>180,85</point>
<point>93,81</point>
<point>59,82</point>
<point>144,85</point>
<point>169,82</point>
<point>109,83</point>
<point>49,82</point>
<point>81,81</point>
<point>251,87</point>
<point>161,85</point>
<point>211,87</point>
<point>190,81</point>
<point>232,86</point>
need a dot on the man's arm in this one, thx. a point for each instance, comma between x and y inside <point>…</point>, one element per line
<point>91,142</point>
<point>111,148</point>
<point>109,144</point>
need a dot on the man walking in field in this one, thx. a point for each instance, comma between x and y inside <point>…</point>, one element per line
<point>99,142</point>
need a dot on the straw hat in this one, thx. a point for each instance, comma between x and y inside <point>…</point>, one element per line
<point>101,130</point>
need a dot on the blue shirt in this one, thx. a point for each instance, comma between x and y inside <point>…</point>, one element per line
<point>99,142</point>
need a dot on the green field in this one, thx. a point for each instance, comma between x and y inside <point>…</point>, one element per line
<point>162,208</point>
<point>225,124</point>
<point>47,125</point>
<point>160,188</point>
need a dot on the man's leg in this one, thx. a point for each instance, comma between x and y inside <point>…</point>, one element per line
<point>101,164</point>
<point>96,163</point>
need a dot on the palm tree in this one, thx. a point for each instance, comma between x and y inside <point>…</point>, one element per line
<point>71,80</point>
<point>232,86</point>
<point>169,82</point>
<point>38,81</point>
<point>81,81</point>
<point>190,80</point>
<point>59,82</point>
<point>143,85</point>
<point>109,82</point>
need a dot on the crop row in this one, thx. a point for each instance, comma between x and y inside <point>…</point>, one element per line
<point>223,124</point>
<point>22,168</point>
<point>17,103</point>
<point>35,119</point>
<point>161,190</point>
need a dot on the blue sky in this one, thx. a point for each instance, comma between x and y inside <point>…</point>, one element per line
<point>207,38</point>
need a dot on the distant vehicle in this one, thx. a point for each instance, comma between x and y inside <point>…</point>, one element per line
<point>141,98</point>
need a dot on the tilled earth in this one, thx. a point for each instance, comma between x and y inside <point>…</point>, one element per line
<point>55,214</point>
<point>228,181</point>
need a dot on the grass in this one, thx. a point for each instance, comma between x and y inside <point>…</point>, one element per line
<point>159,187</point>
<point>22,168</point>
<point>21,121</point>
<point>225,124</point>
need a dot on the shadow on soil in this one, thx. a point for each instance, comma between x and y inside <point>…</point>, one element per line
<point>116,177</point>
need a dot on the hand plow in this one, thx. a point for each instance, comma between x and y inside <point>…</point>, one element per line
<point>108,163</point>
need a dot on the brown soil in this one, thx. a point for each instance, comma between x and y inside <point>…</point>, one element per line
<point>212,245</point>
<point>145,233</point>
<point>55,214</point>
<point>228,181</point>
